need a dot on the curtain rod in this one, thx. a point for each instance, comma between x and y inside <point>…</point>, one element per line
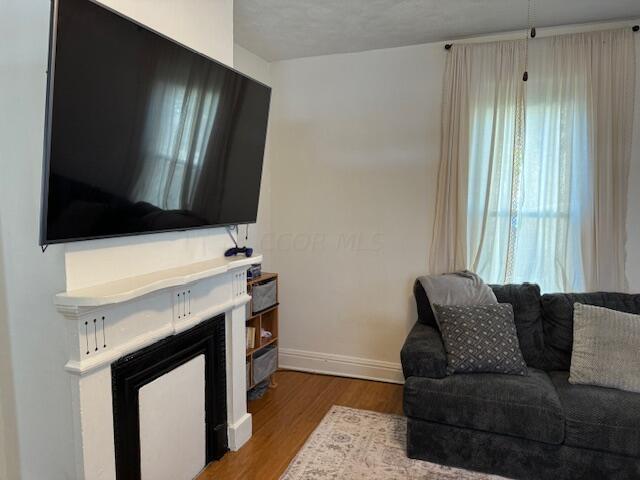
<point>448,46</point>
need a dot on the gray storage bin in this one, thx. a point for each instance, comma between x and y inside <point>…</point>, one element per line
<point>264,295</point>
<point>248,375</point>
<point>264,364</point>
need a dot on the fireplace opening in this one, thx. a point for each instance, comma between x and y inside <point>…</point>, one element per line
<point>140,369</point>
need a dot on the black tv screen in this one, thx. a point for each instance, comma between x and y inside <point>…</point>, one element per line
<point>144,134</point>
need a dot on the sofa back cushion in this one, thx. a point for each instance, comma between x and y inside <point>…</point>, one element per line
<point>557,311</point>
<point>425,313</point>
<point>527,315</point>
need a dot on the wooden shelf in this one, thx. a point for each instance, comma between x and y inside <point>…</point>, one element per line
<point>263,312</point>
<point>262,278</point>
<point>271,341</point>
<point>265,319</point>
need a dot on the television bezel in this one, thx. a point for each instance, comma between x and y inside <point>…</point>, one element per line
<point>44,201</point>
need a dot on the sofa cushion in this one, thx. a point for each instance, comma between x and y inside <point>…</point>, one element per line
<point>526,407</point>
<point>599,418</point>
<point>423,353</point>
<point>557,311</point>
<point>480,338</point>
<point>606,348</point>
<point>527,314</point>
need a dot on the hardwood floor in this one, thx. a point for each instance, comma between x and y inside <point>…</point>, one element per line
<point>285,417</point>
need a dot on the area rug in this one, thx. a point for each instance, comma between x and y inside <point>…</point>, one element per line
<point>357,444</point>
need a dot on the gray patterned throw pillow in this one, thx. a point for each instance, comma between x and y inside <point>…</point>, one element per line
<point>480,338</point>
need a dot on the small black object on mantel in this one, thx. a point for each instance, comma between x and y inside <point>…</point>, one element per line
<point>236,250</point>
<point>635,28</point>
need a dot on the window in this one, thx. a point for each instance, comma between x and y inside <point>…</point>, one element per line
<point>533,176</point>
<point>529,223</point>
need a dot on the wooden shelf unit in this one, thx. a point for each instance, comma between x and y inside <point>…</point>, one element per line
<point>267,319</point>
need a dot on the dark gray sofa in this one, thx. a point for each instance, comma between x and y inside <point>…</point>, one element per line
<point>534,427</point>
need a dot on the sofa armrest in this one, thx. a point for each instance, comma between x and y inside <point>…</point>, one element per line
<point>423,353</point>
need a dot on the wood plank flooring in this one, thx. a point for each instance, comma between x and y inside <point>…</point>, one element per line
<point>285,417</point>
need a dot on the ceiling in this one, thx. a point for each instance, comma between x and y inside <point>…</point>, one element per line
<point>283,29</point>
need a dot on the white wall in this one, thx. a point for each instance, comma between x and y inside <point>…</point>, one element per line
<point>252,65</point>
<point>36,334</point>
<point>354,151</point>
<point>204,25</point>
<point>4,469</point>
<point>259,234</point>
<point>9,466</point>
<point>354,154</point>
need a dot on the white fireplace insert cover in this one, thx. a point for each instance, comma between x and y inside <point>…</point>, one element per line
<point>172,424</point>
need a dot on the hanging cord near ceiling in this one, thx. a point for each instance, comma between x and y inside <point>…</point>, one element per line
<point>531,33</point>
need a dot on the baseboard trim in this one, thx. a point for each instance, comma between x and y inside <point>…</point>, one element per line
<point>240,432</point>
<point>340,365</point>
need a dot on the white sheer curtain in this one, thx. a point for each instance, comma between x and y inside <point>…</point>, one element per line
<point>496,137</point>
<point>542,165</point>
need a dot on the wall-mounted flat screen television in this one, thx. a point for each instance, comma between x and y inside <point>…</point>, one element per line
<point>144,134</point>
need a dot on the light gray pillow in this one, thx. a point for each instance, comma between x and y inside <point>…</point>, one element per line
<point>480,338</point>
<point>606,348</point>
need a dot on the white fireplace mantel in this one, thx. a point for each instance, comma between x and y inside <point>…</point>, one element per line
<point>130,288</point>
<point>109,321</point>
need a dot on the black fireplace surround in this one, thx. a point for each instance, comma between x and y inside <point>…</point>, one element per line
<point>134,371</point>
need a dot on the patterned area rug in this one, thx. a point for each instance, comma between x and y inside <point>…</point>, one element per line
<point>357,444</point>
